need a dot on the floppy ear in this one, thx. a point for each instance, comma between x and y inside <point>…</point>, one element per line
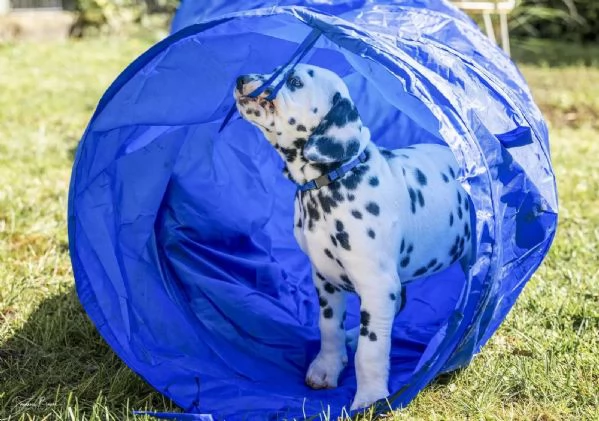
<point>337,137</point>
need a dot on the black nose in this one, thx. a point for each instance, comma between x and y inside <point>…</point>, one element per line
<point>242,80</point>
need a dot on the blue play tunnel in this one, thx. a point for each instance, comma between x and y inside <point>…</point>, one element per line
<point>181,236</point>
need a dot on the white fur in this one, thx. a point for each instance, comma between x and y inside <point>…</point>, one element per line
<point>381,232</point>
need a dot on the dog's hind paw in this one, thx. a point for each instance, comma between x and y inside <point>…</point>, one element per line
<point>365,400</point>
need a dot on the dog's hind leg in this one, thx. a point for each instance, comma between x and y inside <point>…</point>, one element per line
<point>324,371</point>
<point>352,335</point>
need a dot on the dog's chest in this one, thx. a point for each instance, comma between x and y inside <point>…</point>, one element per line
<point>343,226</point>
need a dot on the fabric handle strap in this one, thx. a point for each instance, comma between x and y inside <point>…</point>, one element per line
<point>301,51</point>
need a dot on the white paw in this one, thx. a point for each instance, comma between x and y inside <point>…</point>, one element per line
<point>366,399</point>
<point>324,371</point>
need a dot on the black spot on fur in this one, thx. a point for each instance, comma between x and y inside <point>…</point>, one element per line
<point>339,225</point>
<point>371,233</point>
<point>290,154</point>
<point>311,73</point>
<point>412,194</point>
<point>387,154</point>
<point>466,204</point>
<point>291,121</point>
<point>374,181</point>
<point>403,245</point>
<point>372,336</point>
<point>363,331</point>
<point>352,180</point>
<point>279,133</point>
<point>351,197</point>
<point>345,279</point>
<point>431,263</point>
<point>324,168</point>
<point>314,110</point>
<point>364,318</point>
<point>405,261</point>
<point>392,296</point>
<point>319,276</point>
<point>460,213</point>
<point>445,178</point>
<point>338,197</point>
<point>467,230</point>
<point>450,219</point>
<point>313,214</point>
<point>331,148</point>
<point>326,202</point>
<point>301,128</point>
<point>459,198</point>
<point>451,172</point>
<point>420,177</point>
<point>420,198</point>
<point>339,263</point>
<point>420,271</point>
<point>299,143</point>
<point>322,302</point>
<point>373,208</point>
<point>333,240</point>
<point>439,266</point>
<point>328,313</point>
<point>356,214</point>
<point>328,287</point>
<point>410,248</point>
<point>328,253</point>
<point>343,239</point>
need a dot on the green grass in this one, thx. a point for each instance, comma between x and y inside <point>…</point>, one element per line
<point>542,364</point>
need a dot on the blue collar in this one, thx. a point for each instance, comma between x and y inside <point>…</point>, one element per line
<point>328,178</point>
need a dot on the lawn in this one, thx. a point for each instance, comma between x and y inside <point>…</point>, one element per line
<point>542,364</point>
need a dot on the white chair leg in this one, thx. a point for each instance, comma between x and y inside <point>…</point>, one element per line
<point>505,33</point>
<point>489,26</point>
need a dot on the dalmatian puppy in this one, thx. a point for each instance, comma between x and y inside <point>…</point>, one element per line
<point>396,216</point>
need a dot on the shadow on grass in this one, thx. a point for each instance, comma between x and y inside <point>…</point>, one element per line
<point>58,353</point>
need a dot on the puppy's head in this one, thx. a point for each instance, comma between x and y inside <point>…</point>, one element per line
<point>312,111</point>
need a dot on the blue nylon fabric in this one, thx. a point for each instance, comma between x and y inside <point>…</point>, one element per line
<point>181,237</point>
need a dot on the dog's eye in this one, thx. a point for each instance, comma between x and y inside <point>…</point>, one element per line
<point>295,82</point>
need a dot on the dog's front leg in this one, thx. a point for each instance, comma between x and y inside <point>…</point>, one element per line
<point>332,358</point>
<point>377,311</point>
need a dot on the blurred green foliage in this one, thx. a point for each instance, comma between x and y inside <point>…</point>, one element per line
<point>563,20</point>
<point>117,16</point>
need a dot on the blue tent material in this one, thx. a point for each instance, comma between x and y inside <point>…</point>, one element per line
<point>181,236</point>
